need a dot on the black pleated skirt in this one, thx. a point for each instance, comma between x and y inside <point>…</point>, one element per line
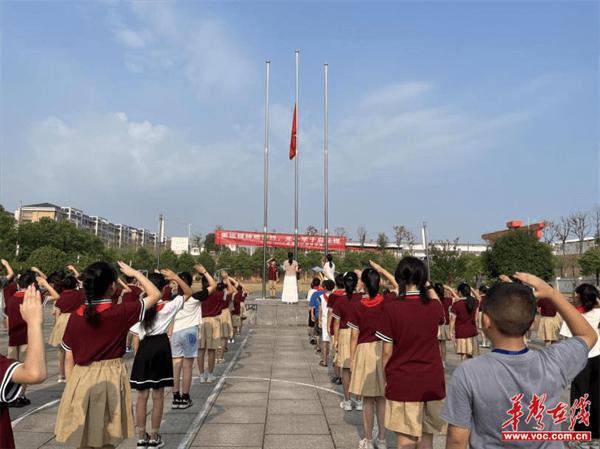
<point>153,364</point>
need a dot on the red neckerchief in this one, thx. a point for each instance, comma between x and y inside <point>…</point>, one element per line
<point>102,307</point>
<point>159,306</point>
<point>339,292</point>
<point>19,295</point>
<point>372,302</point>
<point>580,309</point>
<point>325,296</point>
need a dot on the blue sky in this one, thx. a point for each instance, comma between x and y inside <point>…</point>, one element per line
<point>463,114</point>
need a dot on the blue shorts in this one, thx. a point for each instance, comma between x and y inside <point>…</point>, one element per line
<point>184,343</point>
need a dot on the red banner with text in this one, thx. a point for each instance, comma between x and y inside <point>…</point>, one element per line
<point>307,242</point>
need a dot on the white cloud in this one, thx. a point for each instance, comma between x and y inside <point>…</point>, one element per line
<point>206,54</point>
<point>130,38</point>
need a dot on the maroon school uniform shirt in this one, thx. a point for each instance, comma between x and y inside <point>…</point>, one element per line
<point>17,327</point>
<point>414,372</point>
<point>273,273</point>
<point>446,304</point>
<point>211,304</point>
<point>134,294</point>
<point>238,299</point>
<point>343,308</point>
<point>9,391</point>
<point>465,325</point>
<point>106,340</point>
<point>9,290</point>
<point>547,307</point>
<point>226,301</point>
<point>366,316</point>
<point>70,300</point>
<point>333,296</point>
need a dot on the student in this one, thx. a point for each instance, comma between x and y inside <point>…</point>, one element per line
<point>483,289</point>
<point>549,325</point>
<point>17,327</point>
<point>314,308</point>
<point>8,286</point>
<point>315,286</point>
<point>414,373</point>
<point>324,296</point>
<point>342,310</point>
<point>153,367</point>
<point>335,294</point>
<point>184,342</point>
<point>444,327</point>
<point>95,408</point>
<point>15,374</point>
<point>366,350</point>
<point>511,369</point>
<point>238,299</point>
<point>272,276</point>
<point>225,317</point>
<point>463,326</point>
<point>69,301</point>
<point>587,381</point>
<point>211,298</point>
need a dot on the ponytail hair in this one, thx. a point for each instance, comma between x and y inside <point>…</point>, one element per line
<point>160,283</point>
<point>69,283</point>
<point>439,289</point>
<point>465,292</point>
<point>371,279</point>
<point>290,257</point>
<point>97,280</point>
<point>330,260</point>
<point>350,283</point>
<point>411,271</point>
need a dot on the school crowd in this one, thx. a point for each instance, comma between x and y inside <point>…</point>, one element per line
<point>387,347</point>
<point>98,317</point>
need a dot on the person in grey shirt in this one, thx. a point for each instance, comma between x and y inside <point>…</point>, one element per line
<point>483,390</point>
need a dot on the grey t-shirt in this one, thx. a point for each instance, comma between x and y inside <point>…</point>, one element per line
<point>480,391</point>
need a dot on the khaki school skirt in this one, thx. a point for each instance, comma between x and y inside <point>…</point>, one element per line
<point>343,355</point>
<point>226,323</point>
<point>465,346</point>
<point>414,418</point>
<point>59,329</point>
<point>367,370</point>
<point>210,333</point>
<point>236,320</point>
<point>549,328</point>
<point>95,409</point>
<point>443,332</point>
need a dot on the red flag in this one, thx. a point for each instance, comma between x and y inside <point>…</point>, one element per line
<point>293,139</point>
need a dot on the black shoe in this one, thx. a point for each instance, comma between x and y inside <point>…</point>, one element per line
<point>338,381</point>
<point>143,444</point>
<point>25,401</point>
<point>158,442</point>
<point>186,401</point>
<point>19,402</point>
<point>176,401</point>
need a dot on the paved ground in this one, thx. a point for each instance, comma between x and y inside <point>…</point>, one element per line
<point>271,394</point>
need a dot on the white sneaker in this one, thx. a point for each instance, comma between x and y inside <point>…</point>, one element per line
<point>346,405</point>
<point>381,444</point>
<point>210,378</point>
<point>365,444</point>
<point>358,405</point>
<point>203,378</point>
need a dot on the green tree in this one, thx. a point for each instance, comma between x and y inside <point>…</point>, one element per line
<point>589,263</point>
<point>519,251</point>
<point>207,260</point>
<point>8,236</point>
<point>47,259</point>
<point>168,259</point>
<point>144,260</point>
<point>185,262</point>
<point>209,243</point>
<point>382,241</point>
<point>445,262</point>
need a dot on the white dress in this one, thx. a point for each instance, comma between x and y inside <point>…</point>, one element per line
<point>290,283</point>
<point>329,271</point>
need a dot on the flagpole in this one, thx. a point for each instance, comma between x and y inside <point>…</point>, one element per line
<point>426,244</point>
<point>266,179</point>
<point>325,158</point>
<point>296,161</point>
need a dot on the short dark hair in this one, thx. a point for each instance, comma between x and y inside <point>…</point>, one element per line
<point>588,294</point>
<point>511,307</point>
<point>328,284</point>
<point>26,279</point>
<point>315,282</point>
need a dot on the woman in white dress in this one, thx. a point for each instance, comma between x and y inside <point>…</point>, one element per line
<point>290,281</point>
<point>329,268</point>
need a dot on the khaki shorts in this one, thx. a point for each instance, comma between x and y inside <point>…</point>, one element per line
<point>272,285</point>
<point>210,333</point>
<point>17,352</point>
<point>414,418</point>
